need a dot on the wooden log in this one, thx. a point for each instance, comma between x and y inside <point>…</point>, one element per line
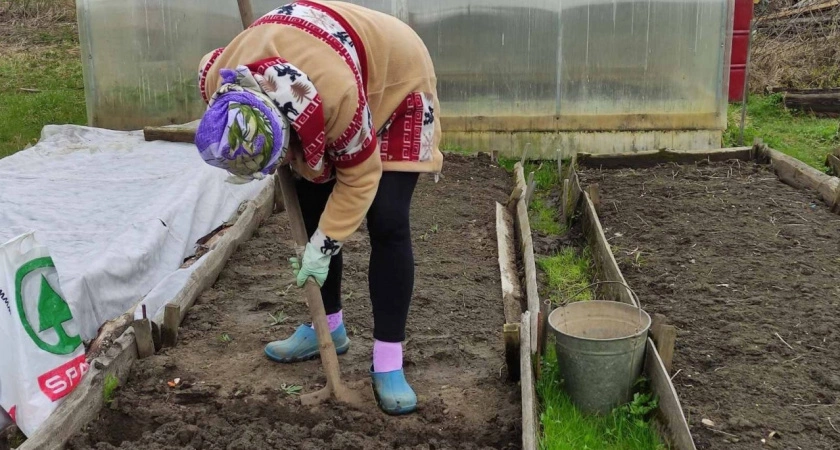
<point>605,263</point>
<point>203,277</point>
<point>108,333</point>
<point>143,338</point>
<point>171,322</point>
<point>172,133</point>
<point>800,175</point>
<point>665,338</point>
<point>83,404</point>
<point>511,290</point>
<point>670,411</point>
<point>529,402</point>
<point>511,331</point>
<point>653,158</point>
<point>825,104</point>
<point>834,163</point>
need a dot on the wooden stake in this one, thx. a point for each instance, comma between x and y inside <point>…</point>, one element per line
<point>171,321</point>
<point>560,164</point>
<point>143,337</point>
<point>595,196</point>
<point>564,207</point>
<point>514,197</point>
<point>510,331</point>
<point>833,162</point>
<point>665,337</point>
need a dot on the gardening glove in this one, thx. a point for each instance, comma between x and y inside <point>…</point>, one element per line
<point>316,259</point>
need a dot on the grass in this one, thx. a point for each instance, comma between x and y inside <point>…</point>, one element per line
<point>567,274</point>
<point>566,428</point>
<point>800,135</point>
<point>109,388</point>
<point>40,53</point>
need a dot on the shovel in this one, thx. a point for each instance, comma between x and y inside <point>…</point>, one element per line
<point>335,388</point>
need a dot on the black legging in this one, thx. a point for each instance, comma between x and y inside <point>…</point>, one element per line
<point>391,271</point>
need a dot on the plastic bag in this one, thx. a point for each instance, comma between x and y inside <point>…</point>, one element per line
<point>42,357</point>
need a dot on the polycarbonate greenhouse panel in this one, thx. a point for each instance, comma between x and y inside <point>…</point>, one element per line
<point>564,64</point>
<point>140,57</point>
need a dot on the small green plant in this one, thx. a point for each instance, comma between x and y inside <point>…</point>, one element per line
<point>225,338</point>
<point>277,318</point>
<point>109,387</point>
<point>434,228</point>
<point>291,389</point>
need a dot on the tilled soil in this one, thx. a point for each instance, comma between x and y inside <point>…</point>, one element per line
<point>748,269</point>
<point>232,397</point>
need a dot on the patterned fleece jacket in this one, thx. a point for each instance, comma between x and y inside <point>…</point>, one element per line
<point>359,89</point>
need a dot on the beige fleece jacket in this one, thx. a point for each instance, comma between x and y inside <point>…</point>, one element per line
<point>398,64</point>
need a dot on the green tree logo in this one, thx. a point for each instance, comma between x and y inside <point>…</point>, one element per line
<point>53,311</point>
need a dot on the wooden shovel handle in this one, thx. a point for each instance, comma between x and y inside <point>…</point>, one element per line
<point>329,358</point>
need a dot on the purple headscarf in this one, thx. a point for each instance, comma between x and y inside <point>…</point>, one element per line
<point>242,131</point>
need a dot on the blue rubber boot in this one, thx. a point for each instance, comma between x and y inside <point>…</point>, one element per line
<point>303,345</point>
<point>393,393</point>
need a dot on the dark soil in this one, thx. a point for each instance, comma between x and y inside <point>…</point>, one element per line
<point>232,397</point>
<point>748,269</point>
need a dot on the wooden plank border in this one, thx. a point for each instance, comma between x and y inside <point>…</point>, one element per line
<point>530,422</point>
<point>605,263</point>
<point>83,404</point>
<point>511,289</point>
<point>526,248</point>
<point>649,159</point>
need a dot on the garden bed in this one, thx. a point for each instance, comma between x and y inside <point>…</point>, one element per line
<point>230,396</point>
<point>746,268</point>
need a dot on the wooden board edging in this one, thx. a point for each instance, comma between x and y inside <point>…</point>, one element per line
<point>670,409</point>
<point>526,249</point>
<point>511,290</point>
<point>83,404</point>
<point>605,263</point>
<point>650,159</point>
<point>203,277</point>
<point>800,175</point>
<point>530,423</point>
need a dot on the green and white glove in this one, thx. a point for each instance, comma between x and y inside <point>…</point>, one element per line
<point>316,259</point>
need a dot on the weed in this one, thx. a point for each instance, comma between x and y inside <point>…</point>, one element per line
<point>434,228</point>
<point>291,389</point>
<point>109,387</point>
<point>277,318</point>
<point>225,338</point>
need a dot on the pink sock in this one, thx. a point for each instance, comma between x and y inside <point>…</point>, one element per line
<point>387,356</point>
<point>334,320</point>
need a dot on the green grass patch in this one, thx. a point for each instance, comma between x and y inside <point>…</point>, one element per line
<point>51,67</point>
<point>567,275</point>
<point>628,427</point>
<point>800,135</point>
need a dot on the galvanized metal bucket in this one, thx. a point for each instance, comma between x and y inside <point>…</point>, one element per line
<point>600,351</point>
